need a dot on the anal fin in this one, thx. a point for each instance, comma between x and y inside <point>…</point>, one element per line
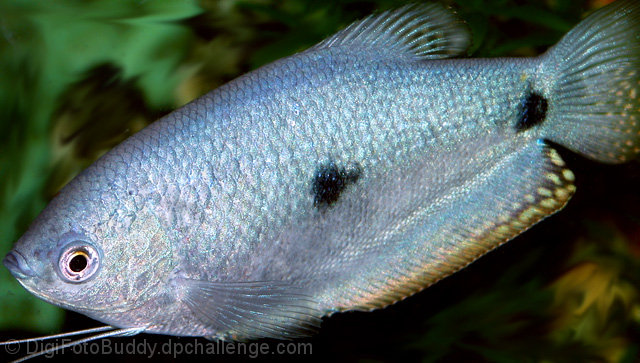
<point>482,201</point>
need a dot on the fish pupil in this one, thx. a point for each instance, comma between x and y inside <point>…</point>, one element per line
<point>330,181</point>
<point>78,263</point>
<point>533,111</point>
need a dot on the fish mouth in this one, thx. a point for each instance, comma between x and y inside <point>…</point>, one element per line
<point>15,262</point>
<point>18,266</point>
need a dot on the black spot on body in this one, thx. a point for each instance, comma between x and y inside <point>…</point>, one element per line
<point>533,111</point>
<point>330,181</point>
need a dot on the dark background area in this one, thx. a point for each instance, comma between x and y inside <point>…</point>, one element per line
<point>76,78</point>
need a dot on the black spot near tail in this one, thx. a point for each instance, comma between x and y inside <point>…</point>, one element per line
<point>330,181</point>
<point>533,111</point>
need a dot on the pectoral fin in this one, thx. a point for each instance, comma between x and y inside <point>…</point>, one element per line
<point>251,310</point>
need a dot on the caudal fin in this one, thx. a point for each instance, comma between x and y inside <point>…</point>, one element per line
<point>595,87</point>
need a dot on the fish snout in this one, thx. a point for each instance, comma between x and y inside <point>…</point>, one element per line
<point>17,265</point>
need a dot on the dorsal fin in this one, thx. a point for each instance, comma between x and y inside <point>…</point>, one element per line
<point>416,31</point>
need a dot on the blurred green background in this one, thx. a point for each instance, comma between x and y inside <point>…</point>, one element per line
<point>77,77</point>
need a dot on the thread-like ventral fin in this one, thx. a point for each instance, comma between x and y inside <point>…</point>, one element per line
<point>413,31</point>
<point>252,310</point>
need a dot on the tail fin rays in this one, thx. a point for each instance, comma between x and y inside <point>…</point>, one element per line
<point>595,95</point>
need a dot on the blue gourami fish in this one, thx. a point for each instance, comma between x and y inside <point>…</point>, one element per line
<point>345,177</point>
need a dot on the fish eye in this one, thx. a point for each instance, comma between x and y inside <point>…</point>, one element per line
<point>78,262</point>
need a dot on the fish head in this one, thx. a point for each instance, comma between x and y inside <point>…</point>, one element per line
<point>94,250</point>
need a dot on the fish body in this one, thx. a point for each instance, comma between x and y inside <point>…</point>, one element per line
<point>345,177</point>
